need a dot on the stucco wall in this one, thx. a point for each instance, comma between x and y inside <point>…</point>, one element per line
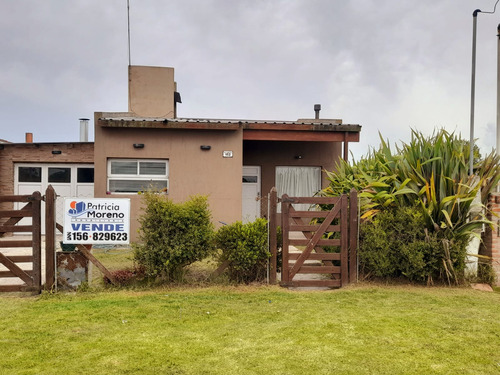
<point>191,170</point>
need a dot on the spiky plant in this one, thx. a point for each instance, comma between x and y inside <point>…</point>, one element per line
<point>428,173</point>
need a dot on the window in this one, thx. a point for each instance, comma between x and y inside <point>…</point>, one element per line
<point>59,174</point>
<point>298,182</point>
<point>250,179</point>
<point>85,175</point>
<point>132,176</point>
<point>30,174</point>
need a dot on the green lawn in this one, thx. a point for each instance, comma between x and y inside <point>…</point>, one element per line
<point>365,329</point>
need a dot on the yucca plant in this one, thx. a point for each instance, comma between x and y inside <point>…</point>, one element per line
<point>438,170</point>
<point>429,173</point>
<point>375,178</point>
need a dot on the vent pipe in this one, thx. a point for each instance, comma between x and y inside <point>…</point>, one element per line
<point>84,130</point>
<point>317,108</point>
<point>29,137</point>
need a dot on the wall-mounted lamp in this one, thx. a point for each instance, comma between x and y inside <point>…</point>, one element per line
<point>298,157</point>
<point>56,152</point>
<point>138,145</point>
<point>205,147</point>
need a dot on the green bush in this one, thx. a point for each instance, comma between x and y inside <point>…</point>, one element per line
<point>244,247</point>
<point>396,244</point>
<point>173,235</point>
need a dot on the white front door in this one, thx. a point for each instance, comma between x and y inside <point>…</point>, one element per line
<point>251,194</point>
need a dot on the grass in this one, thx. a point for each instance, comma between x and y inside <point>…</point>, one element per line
<point>365,329</point>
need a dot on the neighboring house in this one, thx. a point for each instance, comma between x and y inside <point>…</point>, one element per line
<point>28,167</point>
<point>234,162</point>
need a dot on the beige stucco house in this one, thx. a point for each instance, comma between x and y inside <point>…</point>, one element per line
<point>234,162</point>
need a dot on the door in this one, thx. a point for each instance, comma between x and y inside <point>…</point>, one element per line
<point>250,194</point>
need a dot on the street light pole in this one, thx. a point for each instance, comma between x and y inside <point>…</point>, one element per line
<point>498,91</point>
<point>473,91</point>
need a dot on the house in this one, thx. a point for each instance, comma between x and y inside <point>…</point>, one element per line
<point>234,162</point>
<point>31,166</point>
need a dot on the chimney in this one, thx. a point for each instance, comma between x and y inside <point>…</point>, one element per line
<point>29,137</point>
<point>317,108</point>
<point>84,130</point>
<point>151,91</point>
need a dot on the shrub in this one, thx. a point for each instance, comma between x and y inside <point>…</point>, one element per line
<point>244,247</point>
<point>396,244</point>
<point>125,276</point>
<point>172,235</point>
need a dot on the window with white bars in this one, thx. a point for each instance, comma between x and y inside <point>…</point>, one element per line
<point>130,176</point>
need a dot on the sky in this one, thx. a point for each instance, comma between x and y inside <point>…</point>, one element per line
<point>388,65</point>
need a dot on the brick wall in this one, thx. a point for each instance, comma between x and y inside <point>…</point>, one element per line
<point>12,153</point>
<point>491,238</point>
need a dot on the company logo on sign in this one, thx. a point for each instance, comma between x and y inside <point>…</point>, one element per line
<point>76,208</point>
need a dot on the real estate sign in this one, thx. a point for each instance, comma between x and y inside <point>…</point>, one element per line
<point>96,220</point>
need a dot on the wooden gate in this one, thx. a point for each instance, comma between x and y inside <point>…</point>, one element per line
<point>31,278</point>
<point>9,223</point>
<point>328,239</point>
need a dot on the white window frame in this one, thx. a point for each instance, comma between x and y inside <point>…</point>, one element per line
<point>137,176</point>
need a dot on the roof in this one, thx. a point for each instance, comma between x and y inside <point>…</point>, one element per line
<point>301,130</point>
